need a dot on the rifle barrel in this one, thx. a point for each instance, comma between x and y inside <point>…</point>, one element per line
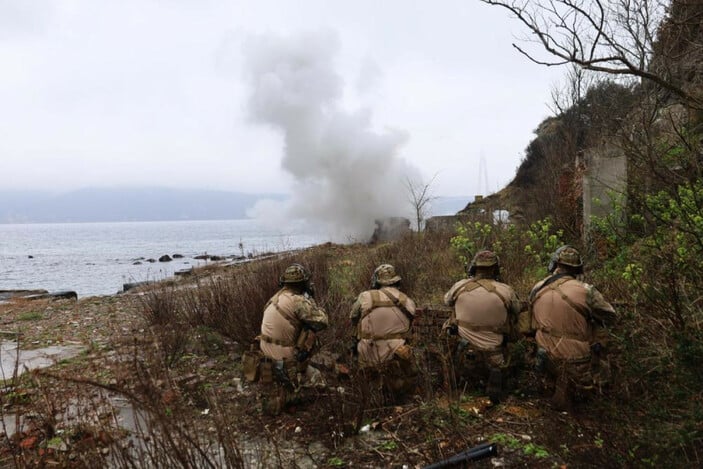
<point>476,453</point>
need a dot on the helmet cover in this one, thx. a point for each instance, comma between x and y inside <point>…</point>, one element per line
<point>565,255</point>
<point>295,273</point>
<point>483,258</point>
<point>385,275</point>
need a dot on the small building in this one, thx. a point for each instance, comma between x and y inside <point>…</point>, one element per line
<point>390,229</point>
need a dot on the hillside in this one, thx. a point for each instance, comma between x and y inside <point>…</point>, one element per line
<point>638,114</point>
<point>637,137</point>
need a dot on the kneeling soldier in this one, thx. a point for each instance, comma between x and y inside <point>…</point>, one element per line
<point>569,318</point>
<point>382,319</point>
<point>288,339</point>
<point>485,313</point>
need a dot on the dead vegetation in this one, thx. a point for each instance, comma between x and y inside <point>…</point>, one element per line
<point>163,390</point>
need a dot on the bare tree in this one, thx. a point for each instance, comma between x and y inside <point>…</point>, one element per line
<point>420,196</point>
<point>572,90</point>
<point>610,36</point>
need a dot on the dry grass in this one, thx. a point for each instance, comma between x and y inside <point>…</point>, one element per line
<point>179,374</point>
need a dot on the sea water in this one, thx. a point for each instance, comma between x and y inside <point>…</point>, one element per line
<point>98,258</point>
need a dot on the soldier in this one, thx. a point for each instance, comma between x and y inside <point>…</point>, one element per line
<point>381,319</point>
<point>568,316</point>
<point>484,317</point>
<point>288,339</point>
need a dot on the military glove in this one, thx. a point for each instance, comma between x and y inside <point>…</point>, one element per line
<point>302,355</point>
<point>279,370</point>
<point>541,360</point>
<point>453,329</point>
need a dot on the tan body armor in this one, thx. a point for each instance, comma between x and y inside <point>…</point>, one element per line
<point>383,323</point>
<point>565,315</point>
<point>284,317</point>
<point>484,310</point>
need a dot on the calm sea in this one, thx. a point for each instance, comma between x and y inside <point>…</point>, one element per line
<point>98,258</point>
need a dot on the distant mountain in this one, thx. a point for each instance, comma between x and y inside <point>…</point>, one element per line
<point>148,204</point>
<point>449,205</point>
<point>141,204</point>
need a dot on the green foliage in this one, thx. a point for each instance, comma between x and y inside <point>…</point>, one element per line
<point>650,254</point>
<point>336,462</point>
<point>661,265</point>
<point>462,412</point>
<point>537,451</point>
<point>472,237</point>
<point>506,440</point>
<point>30,316</point>
<point>529,448</point>
<point>543,239</point>
<point>538,241</point>
<point>524,251</point>
<point>389,445</point>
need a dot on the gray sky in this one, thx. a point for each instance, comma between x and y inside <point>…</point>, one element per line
<point>157,92</point>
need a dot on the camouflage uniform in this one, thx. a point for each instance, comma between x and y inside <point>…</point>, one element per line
<point>568,317</point>
<point>382,320</point>
<point>287,340</point>
<point>484,316</point>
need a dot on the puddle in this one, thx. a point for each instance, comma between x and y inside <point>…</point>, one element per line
<point>32,359</point>
<point>141,435</point>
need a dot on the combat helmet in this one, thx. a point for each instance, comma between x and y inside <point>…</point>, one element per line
<point>483,259</point>
<point>565,255</point>
<point>384,275</point>
<point>294,273</point>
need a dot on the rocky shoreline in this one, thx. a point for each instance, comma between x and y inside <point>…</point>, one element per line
<point>202,262</point>
<point>37,294</point>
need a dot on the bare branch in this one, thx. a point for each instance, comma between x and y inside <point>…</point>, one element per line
<point>419,196</point>
<point>614,37</point>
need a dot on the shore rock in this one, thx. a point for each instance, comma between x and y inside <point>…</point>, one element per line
<point>129,286</point>
<point>57,295</point>
<point>8,294</point>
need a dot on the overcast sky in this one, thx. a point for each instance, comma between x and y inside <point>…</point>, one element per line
<point>156,92</point>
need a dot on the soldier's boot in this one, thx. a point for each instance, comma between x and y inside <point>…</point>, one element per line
<point>494,387</point>
<point>541,360</point>
<point>562,399</point>
<point>273,402</point>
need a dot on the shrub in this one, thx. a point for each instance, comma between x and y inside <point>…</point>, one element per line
<point>524,251</point>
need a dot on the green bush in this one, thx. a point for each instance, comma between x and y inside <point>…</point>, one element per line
<point>524,251</point>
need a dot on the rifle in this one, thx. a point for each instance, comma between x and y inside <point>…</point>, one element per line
<point>476,453</point>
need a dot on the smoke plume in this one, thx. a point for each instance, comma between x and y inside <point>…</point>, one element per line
<point>346,175</point>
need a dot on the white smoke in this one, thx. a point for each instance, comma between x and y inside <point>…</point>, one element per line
<point>346,174</point>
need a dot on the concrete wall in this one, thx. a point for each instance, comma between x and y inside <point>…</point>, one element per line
<point>605,173</point>
<point>443,223</point>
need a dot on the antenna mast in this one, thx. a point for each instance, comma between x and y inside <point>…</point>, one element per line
<point>482,175</point>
